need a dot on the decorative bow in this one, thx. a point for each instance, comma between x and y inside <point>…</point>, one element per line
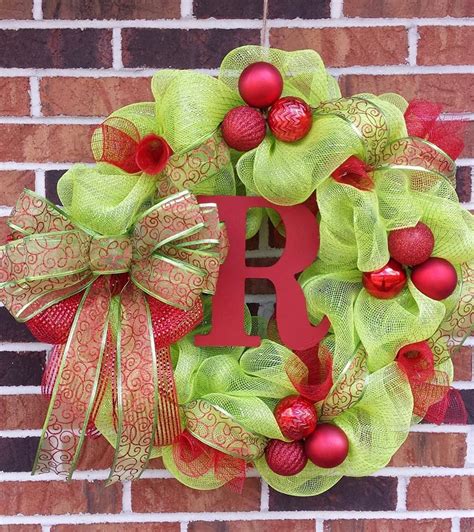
<point>173,254</point>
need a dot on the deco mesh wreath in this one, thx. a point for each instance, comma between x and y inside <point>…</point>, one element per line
<point>117,279</point>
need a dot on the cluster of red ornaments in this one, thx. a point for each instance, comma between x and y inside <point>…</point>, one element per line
<point>261,85</point>
<point>324,444</point>
<point>433,276</point>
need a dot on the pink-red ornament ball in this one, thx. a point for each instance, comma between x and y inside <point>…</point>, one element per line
<point>290,119</point>
<point>285,458</point>
<point>260,84</point>
<point>243,128</point>
<point>385,282</point>
<point>411,245</point>
<point>436,278</point>
<point>327,446</point>
<point>296,417</point>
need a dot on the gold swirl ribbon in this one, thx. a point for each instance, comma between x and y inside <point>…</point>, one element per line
<point>173,253</point>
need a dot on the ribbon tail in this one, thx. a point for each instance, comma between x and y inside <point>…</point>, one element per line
<point>136,387</point>
<point>76,383</point>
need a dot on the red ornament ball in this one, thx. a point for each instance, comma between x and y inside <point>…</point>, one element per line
<point>436,278</point>
<point>260,84</point>
<point>412,245</point>
<point>328,446</point>
<point>243,128</point>
<point>386,282</point>
<point>285,458</point>
<point>152,154</point>
<point>296,417</point>
<point>290,119</point>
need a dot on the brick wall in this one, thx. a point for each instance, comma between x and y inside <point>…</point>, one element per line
<point>60,73</point>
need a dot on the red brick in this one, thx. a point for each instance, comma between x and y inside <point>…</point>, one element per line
<point>163,495</point>
<point>466,524</point>
<point>463,188</point>
<point>4,230</point>
<point>408,8</point>
<point>195,48</point>
<point>13,9</point>
<point>44,498</point>
<point>252,526</point>
<point>56,48</point>
<point>252,9</point>
<point>462,360</point>
<point>430,449</point>
<point>14,96</point>
<point>448,45</point>
<point>22,411</point>
<point>440,493</point>
<point>111,9</point>
<point>119,527</point>
<point>20,528</point>
<point>392,525</point>
<point>468,141</point>
<point>454,91</point>
<point>97,453</point>
<point>45,143</point>
<point>341,47</point>
<point>12,182</point>
<point>91,96</point>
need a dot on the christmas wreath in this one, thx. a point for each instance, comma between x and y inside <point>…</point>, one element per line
<point>119,279</point>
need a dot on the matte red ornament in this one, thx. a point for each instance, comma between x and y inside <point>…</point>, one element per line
<point>260,84</point>
<point>386,282</point>
<point>290,119</point>
<point>152,154</point>
<point>285,458</point>
<point>296,417</point>
<point>327,446</point>
<point>244,128</point>
<point>412,245</point>
<point>436,278</point>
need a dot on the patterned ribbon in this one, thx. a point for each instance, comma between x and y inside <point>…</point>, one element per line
<point>173,253</point>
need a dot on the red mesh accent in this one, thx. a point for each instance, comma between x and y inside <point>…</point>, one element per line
<point>117,144</point>
<point>422,120</point>
<point>51,371</point>
<point>52,326</point>
<point>354,172</point>
<point>152,154</point>
<point>194,459</point>
<point>434,399</point>
<point>170,323</point>
<point>318,381</point>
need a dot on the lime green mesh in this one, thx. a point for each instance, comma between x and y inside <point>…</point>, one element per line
<point>303,72</point>
<point>190,106</point>
<point>376,426</point>
<point>103,197</point>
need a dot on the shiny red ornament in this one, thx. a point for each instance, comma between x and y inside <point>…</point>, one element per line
<point>412,245</point>
<point>290,119</point>
<point>243,128</point>
<point>327,446</point>
<point>296,417</point>
<point>286,458</point>
<point>260,84</point>
<point>436,278</point>
<point>152,154</point>
<point>385,282</point>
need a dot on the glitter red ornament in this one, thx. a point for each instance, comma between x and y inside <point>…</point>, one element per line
<point>296,417</point>
<point>290,119</point>
<point>327,446</point>
<point>436,278</point>
<point>243,128</point>
<point>285,458</point>
<point>260,84</point>
<point>385,282</point>
<point>152,154</point>
<point>412,245</point>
